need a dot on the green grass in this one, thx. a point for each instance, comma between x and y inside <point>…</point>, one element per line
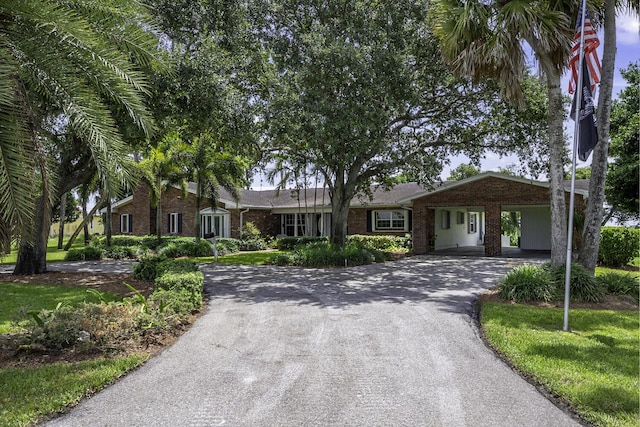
<point>243,258</point>
<point>53,253</point>
<point>603,270</point>
<point>595,367</point>
<point>28,394</point>
<point>17,297</point>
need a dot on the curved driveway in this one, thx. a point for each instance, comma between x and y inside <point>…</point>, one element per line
<point>382,345</point>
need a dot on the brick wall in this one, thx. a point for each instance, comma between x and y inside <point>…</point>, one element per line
<point>263,219</point>
<point>140,208</point>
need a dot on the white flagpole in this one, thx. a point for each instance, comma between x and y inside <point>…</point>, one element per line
<point>576,139</point>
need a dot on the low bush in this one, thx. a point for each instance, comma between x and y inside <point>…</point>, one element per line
<point>120,252</point>
<point>56,329</point>
<point>583,287</point>
<point>175,266</point>
<point>618,245</point>
<point>253,245</point>
<point>382,243</point>
<point>289,243</point>
<point>88,253</point>
<point>322,254</point>
<point>180,248</point>
<point>527,283</point>
<point>191,282</point>
<point>620,284</point>
<point>146,268</point>
<point>227,245</point>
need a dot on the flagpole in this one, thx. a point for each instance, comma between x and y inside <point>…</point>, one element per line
<point>576,138</point>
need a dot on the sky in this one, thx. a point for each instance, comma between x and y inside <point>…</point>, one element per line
<point>628,41</point>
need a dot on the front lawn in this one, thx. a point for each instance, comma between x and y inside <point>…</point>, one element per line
<point>595,367</point>
<point>53,253</point>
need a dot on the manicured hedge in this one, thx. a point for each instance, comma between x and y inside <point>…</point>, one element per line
<point>289,243</point>
<point>618,245</point>
<point>383,243</point>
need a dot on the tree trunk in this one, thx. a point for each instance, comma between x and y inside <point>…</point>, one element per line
<point>556,170</point>
<point>588,255</point>
<point>196,221</point>
<point>32,253</point>
<point>339,218</point>
<point>159,211</point>
<point>85,223</point>
<point>63,212</point>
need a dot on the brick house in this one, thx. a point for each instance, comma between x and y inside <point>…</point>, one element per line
<point>452,214</point>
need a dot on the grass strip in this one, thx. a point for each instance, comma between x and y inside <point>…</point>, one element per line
<point>595,367</point>
<point>16,299</point>
<point>243,258</point>
<point>28,394</point>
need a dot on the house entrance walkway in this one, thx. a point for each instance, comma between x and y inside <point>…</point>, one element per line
<point>388,344</point>
<point>507,252</point>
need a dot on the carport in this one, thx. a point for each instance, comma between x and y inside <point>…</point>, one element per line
<point>488,194</point>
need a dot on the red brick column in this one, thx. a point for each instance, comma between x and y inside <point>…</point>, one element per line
<point>419,232</point>
<point>493,232</point>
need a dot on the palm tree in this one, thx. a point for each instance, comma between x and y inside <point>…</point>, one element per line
<point>210,168</point>
<point>485,40</point>
<point>72,66</point>
<point>159,171</point>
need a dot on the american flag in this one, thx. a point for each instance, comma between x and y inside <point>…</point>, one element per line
<point>591,42</point>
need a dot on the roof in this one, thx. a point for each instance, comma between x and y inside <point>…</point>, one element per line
<point>401,194</point>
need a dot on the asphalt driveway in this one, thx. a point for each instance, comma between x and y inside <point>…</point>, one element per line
<point>382,345</point>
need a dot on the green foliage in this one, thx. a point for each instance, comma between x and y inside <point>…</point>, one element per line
<point>120,252</point>
<point>545,283</point>
<point>381,243</point>
<point>620,284</point>
<point>227,245</point>
<point>251,238</point>
<point>622,187</point>
<point>618,245</point>
<point>88,253</point>
<point>190,282</point>
<point>250,231</point>
<point>56,329</point>
<point>175,266</point>
<point>147,267</point>
<point>190,248</point>
<point>322,254</point>
<point>527,283</point>
<point>289,243</point>
<point>463,171</point>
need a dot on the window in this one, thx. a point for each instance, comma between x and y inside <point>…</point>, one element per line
<point>446,220</point>
<point>175,223</point>
<point>389,220</point>
<point>473,223</point>
<point>126,223</point>
<point>293,224</point>
<point>459,217</point>
<point>213,224</point>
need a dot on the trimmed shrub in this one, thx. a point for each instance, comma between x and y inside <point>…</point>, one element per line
<point>120,252</point>
<point>289,243</point>
<point>382,243</point>
<point>620,284</point>
<point>56,329</point>
<point>251,238</point>
<point>88,253</point>
<point>175,266</point>
<point>227,245</point>
<point>618,245</point>
<point>527,283</point>
<point>146,268</point>
<point>583,287</point>
<point>253,245</point>
<point>191,282</point>
<point>328,255</point>
<point>180,248</point>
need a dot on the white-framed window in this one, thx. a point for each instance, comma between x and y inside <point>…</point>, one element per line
<point>473,223</point>
<point>175,223</point>
<point>459,217</point>
<point>213,224</point>
<point>390,221</point>
<point>126,223</point>
<point>445,222</point>
<point>293,224</point>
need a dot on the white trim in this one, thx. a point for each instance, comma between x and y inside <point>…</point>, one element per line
<point>125,219</point>
<point>391,228</point>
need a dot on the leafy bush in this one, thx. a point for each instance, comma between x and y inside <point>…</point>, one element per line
<point>583,287</point>
<point>251,238</point>
<point>191,282</point>
<point>56,329</point>
<point>175,266</point>
<point>190,248</point>
<point>289,243</point>
<point>382,243</point>
<point>327,255</point>
<point>618,245</point>
<point>88,253</point>
<point>227,245</point>
<point>527,283</point>
<point>620,284</point>
<point>120,252</point>
<point>107,323</point>
<point>146,268</point>
<point>253,245</point>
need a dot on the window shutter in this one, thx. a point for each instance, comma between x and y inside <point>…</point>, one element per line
<point>120,223</point>
<point>180,223</point>
<point>410,219</point>
<point>369,221</point>
<point>169,223</point>
<point>130,223</point>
